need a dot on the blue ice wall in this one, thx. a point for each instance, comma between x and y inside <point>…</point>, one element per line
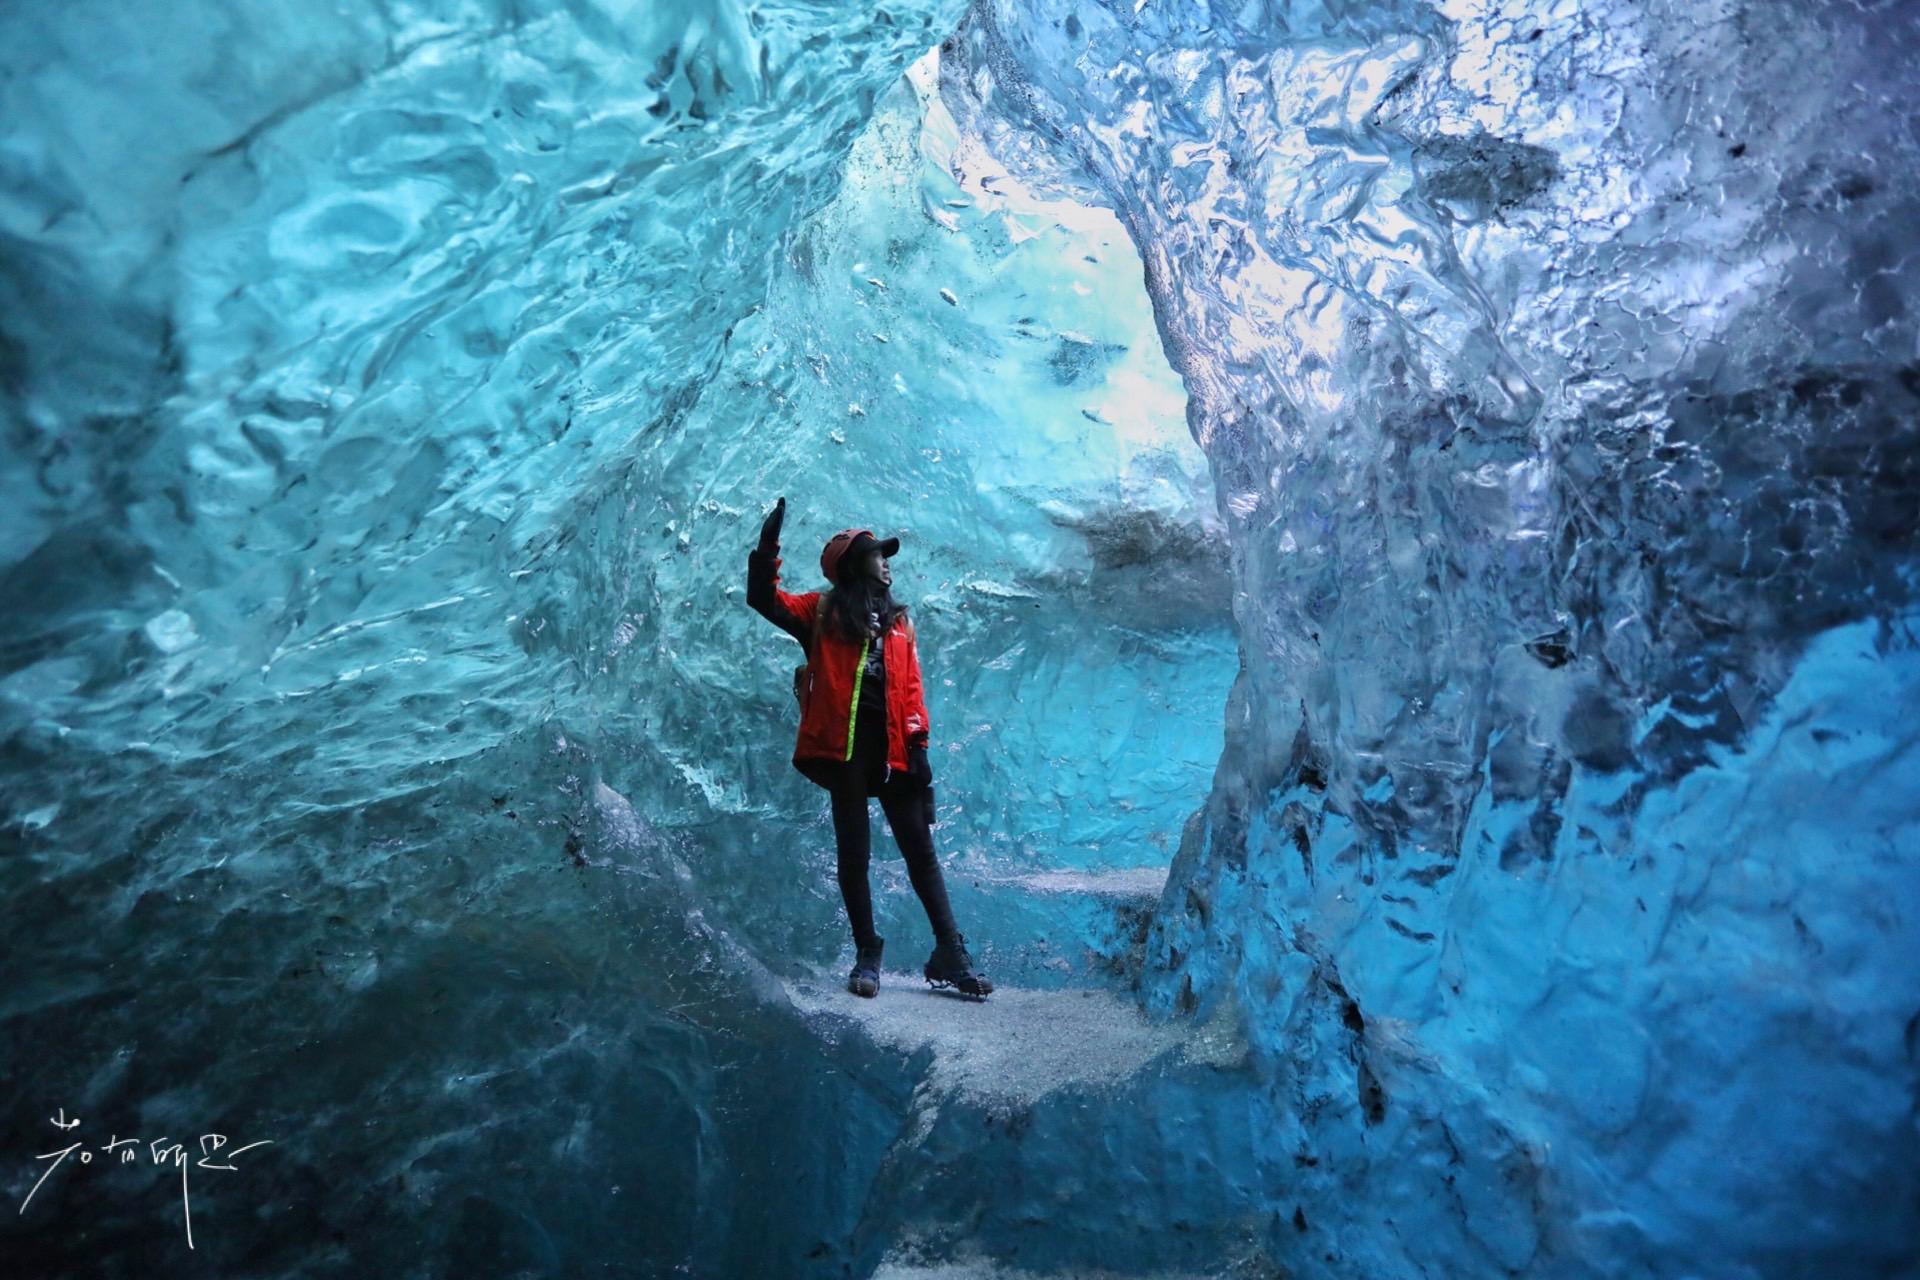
<point>1440,476</point>
<point>1557,368</point>
<point>393,769</point>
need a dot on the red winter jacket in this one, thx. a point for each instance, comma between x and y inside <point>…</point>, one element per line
<point>827,718</point>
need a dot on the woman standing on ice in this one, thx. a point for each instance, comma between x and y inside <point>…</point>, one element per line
<point>863,733</point>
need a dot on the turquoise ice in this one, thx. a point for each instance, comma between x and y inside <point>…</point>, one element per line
<point>1410,510</point>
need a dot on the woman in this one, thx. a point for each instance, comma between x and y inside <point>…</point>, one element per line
<point>863,733</point>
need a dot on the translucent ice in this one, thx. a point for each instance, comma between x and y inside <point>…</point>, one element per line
<point>1557,368</point>
<point>1411,509</point>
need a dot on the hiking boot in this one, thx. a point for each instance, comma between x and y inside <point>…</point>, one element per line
<point>951,966</point>
<point>865,978</point>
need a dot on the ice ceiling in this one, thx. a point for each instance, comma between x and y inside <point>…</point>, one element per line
<point>1439,480</point>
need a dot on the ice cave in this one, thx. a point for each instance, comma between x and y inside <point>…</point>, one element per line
<point>1409,514</point>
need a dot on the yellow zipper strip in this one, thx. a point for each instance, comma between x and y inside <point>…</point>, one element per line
<point>859,673</point>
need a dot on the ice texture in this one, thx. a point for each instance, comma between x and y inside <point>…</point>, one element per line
<point>1557,368</point>
<point>1410,510</point>
<point>393,768</point>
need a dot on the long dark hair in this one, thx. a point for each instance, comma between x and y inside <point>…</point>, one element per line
<point>848,604</point>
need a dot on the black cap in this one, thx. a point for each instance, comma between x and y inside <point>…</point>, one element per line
<point>865,542</point>
<point>862,543</point>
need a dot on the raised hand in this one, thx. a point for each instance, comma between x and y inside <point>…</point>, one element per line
<point>770,529</point>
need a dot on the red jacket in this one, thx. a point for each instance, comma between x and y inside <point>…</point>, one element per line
<point>827,717</point>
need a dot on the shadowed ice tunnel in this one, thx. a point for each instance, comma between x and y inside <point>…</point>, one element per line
<point>1410,511</point>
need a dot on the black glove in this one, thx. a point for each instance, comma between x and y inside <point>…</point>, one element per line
<point>918,767</point>
<point>770,529</point>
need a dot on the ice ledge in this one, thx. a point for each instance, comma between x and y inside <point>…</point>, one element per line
<point>1123,882</point>
<point>985,1270</point>
<point>1019,1044</point>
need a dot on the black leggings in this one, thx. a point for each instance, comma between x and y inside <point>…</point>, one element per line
<point>860,780</point>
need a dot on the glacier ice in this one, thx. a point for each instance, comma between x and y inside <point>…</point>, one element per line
<point>1412,509</point>
<point>1557,373</point>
